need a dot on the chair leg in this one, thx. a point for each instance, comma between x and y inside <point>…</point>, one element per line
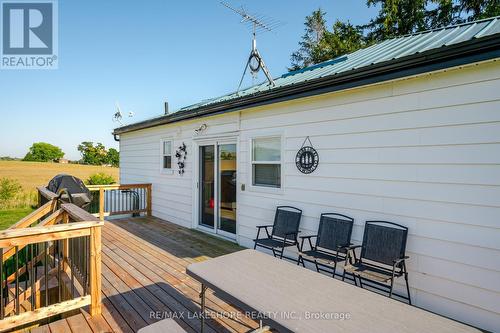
<point>408,288</point>
<point>317,267</point>
<point>299,260</point>
<point>281,255</point>
<point>254,245</point>
<point>334,269</point>
<point>392,287</point>
<point>355,282</point>
<point>360,283</point>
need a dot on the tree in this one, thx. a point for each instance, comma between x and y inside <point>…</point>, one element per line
<point>444,13</point>
<point>395,18</point>
<point>343,39</point>
<point>479,9</point>
<point>93,155</point>
<point>315,28</point>
<point>98,154</point>
<point>43,152</point>
<point>113,157</point>
<point>401,17</point>
<point>318,44</point>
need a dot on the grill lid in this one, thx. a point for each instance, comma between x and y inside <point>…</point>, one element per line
<point>79,194</point>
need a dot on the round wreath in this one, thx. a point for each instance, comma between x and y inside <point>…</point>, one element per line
<point>307,158</point>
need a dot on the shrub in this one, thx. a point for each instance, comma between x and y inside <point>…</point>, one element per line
<point>100,179</point>
<point>9,190</point>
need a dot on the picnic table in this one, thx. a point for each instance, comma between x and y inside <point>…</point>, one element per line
<point>290,298</point>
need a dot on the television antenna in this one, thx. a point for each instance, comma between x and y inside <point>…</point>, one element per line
<point>118,116</point>
<point>255,61</point>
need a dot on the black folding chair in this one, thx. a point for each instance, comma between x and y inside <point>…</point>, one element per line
<point>382,257</point>
<point>332,242</point>
<point>284,231</point>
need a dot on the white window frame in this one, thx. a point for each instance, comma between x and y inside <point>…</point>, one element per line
<point>261,188</point>
<point>167,171</point>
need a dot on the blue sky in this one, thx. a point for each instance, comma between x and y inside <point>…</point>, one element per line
<point>142,53</point>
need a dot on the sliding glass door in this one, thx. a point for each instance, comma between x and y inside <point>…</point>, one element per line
<point>227,188</point>
<point>207,186</point>
<point>217,188</point>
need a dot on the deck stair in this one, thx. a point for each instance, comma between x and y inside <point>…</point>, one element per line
<point>50,264</point>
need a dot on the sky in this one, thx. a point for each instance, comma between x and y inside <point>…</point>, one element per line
<point>141,54</point>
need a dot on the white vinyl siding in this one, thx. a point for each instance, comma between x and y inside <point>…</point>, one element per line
<point>423,152</point>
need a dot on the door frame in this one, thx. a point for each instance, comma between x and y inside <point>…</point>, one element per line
<point>216,141</point>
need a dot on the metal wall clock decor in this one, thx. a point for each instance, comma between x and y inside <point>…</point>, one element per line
<point>181,154</point>
<point>307,158</point>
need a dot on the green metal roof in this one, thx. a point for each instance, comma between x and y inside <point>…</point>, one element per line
<point>385,52</point>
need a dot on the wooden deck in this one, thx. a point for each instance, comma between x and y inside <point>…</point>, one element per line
<point>144,279</point>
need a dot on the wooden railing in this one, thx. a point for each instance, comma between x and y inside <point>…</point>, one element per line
<point>121,199</point>
<point>117,199</point>
<point>51,263</point>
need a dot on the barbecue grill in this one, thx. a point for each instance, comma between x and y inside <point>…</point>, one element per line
<point>71,189</point>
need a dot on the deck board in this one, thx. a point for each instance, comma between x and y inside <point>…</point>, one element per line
<point>79,324</point>
<point>144,264</point>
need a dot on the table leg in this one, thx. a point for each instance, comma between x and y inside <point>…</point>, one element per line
<point>202,301</point>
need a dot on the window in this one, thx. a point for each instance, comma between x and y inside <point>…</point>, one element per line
<point>167,155</point>
<point>266,162</point>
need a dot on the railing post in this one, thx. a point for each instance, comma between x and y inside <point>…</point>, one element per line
<point>101,203</point>
<point>65,245</point>
<point>150,201</point>
<point>95,271</point>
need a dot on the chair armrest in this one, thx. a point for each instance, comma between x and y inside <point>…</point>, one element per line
<point>397,261</point>
<point>264,226</point>
<point>303,238</point>
<point>351,248</point>
<point>308,236</point>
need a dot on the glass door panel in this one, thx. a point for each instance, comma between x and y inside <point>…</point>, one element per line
<point>207,186</point>
<point>227,188</point>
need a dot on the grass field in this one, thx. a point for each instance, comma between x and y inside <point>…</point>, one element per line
<point>33,174</point>
<point>11,216</point>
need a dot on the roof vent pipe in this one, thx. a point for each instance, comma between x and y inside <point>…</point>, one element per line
<point>166,108</point>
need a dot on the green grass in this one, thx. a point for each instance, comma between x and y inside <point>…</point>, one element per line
<point>10,216</point>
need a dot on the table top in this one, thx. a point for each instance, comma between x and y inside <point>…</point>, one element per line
<point>166,325</point>
<point>300,300</point>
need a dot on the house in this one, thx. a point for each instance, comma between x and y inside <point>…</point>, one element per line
<point>62,161</point>
<point>407,130</point>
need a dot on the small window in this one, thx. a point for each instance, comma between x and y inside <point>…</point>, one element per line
<point>266,162</point>
<point>167,155</point>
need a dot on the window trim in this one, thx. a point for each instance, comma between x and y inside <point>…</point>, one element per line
<point>262,188</point>
<point>170,170</point>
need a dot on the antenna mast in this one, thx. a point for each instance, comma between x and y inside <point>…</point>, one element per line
<point>255,61</point>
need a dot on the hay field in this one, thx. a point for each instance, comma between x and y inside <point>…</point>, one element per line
<point>33,174</point>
